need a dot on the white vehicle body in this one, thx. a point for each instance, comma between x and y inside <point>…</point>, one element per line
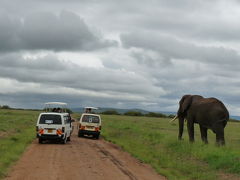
<point>90,124</point>
<point>90,109</point>
<point>49,106</point>
<point>54,125</point>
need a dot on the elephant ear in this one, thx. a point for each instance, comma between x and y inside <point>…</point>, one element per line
<point>185,103</point>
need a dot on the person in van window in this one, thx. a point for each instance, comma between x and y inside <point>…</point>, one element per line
<point>59,110</point>
<point>88,110</point>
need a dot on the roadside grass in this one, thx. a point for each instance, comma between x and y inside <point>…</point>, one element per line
<point>151,140</point>
<point>154,141</point>
<point>17,130</point>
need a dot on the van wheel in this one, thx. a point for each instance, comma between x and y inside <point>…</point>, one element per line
<point>40,141</point>
<point>97,136</point>
<point>80,134</point>
<point>64,141</point>
<point>69,139</point>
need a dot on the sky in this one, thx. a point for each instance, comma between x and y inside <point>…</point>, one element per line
<point>119,54</point>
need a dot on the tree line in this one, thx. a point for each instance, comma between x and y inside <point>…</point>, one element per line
<point>137,113</point>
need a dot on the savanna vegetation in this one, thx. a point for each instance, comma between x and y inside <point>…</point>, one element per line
<point>151,140</point>
<point>17,130</point>
<point>154,141</point>
<point>149,114</point>
<point>110,112</point>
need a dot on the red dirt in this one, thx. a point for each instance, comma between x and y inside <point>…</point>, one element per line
<point>81,158</point>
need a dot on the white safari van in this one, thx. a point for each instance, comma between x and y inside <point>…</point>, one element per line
<point>89,123</point>
<point>54,124</point>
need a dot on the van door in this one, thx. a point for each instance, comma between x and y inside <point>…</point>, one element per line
<point>50,123</point>
<point>68,125</point>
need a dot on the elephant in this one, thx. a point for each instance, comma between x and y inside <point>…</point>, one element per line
<point>209,113</point>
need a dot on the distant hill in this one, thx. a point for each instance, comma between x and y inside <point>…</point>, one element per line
<point>102,109</point>
<point>122,111</point>
<point>235,117</point>
<point>166,112</point>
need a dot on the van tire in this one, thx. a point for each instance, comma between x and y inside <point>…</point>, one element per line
<point>97,136</point>
<point>40,141</point>
<point>69,138</point>
<point>64,141</point>
<point>80,134</point>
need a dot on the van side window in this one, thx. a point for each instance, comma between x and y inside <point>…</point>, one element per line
<point>67,120</point>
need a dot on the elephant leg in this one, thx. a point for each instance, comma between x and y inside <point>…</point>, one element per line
<point>190,126</point>
<point>203,131</point>
<point>219,130</point>
<point>220,137</point>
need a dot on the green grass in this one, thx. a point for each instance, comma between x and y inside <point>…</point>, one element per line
<point>17,130</point>
<point>154,141</point>
<point>151,140</point>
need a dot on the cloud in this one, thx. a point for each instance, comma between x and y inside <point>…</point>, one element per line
<point>47,31</point>
<point>70,78</point>
<point>18,61</point>
<point>183,67</point>
<point>167,49</point>
<point>173,48</point>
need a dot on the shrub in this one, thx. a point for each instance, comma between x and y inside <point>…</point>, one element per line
<point>110,112</point>
<point>5,107</point>
<point>171,116</point>
<point>133,113</point>
<point>153,114</point>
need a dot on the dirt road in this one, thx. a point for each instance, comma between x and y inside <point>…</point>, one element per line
<point>82,158</point>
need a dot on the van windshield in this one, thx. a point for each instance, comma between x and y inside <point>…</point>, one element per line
<point>50,119</point>
<point>90,119</point>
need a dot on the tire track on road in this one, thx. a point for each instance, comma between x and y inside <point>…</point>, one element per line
<point>116,162</point>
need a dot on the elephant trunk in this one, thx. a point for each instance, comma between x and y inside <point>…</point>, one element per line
<point>181,125</point>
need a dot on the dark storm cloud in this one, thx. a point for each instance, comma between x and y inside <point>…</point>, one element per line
<point>173,48</point>
<point>37,100</point>
<point>47,31</point>
<point>52,71</point>
<point>15,61</point>
<point>200,20</point>
<point>151,58</point>
<point>211,71</point>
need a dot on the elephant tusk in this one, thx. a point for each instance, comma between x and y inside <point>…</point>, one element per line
<point>174,118</point>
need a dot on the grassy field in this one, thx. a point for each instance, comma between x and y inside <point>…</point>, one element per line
<point>17,130</point>
<point>151,140</point>
<point>154,141</point>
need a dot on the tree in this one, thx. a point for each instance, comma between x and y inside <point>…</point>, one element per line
<point>5,107</point>
<point>110,112</point>
<point>171,116</point>
<point>153,114</point>
<point>133,113</point>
